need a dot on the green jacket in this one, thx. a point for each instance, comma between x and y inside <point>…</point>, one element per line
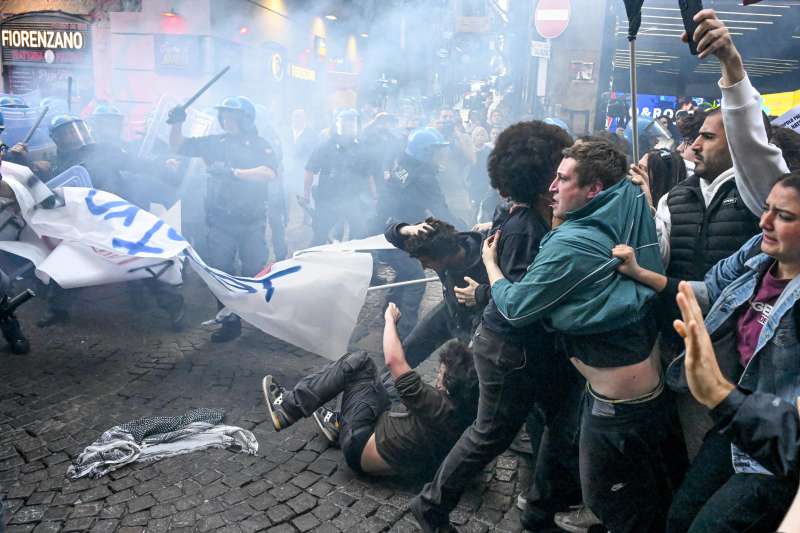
<point>573,285</point>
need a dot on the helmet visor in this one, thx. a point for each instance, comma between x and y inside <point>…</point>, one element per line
<point>72,135</point>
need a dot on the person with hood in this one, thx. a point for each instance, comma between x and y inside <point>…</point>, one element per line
<point>603,322</point>
<point>240,166</point>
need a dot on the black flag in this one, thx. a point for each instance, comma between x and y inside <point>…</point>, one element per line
<point>634,10</point>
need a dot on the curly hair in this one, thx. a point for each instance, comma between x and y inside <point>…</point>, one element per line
<point>665,169</point>
<point>597,160</point>
<point>689,124</point>
<point>524,159</point>
<point>460,377</point>
<point>437,244</point>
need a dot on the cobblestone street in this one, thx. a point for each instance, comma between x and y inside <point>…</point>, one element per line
<point>113,364</point>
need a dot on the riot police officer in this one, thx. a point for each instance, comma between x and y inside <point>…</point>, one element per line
<point>240,166</point>
<point>10,228</point>
<point>13,102</point>
<point>345,180</point>
<point>110,168</point>
<point>107,123</point>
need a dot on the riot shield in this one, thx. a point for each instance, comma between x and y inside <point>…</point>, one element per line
<point>19,121</point>
<point>155,143</point>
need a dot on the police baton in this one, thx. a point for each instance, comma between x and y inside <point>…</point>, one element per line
<point>9,305</point>
<point>204,88</point>
<point>35,125</point>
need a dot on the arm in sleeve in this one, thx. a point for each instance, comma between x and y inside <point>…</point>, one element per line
<point>420,398</point>
<point>764,426</point>
<point>729,269</point>
<point>483,293</point>
<point>314,164</point>
<point>757,163</point>
<point>663,228</point>
<point>517,254</point>
<point>540,290</point>
<point>392,234</point>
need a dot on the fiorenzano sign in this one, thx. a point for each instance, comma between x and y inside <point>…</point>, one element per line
<point>551,17</point>
<point>65,39</point>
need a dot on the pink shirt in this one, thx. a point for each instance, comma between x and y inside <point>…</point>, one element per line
<point>752,320</point>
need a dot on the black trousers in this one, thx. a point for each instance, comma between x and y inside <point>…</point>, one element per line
<point>364,399</point>
<point>630,462</point>
<point>715,499</point>
<point>512,378</point>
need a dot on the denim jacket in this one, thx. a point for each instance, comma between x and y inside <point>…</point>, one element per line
<point>775,366</point>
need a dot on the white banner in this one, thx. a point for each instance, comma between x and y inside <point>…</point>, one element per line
<point>312,300</point>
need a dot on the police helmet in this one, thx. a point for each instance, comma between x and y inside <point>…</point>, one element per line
<point>69,132</point>
<point>12,102</point>
<point>56,106</point>
<point>554,121</point>
<point>241,105</point>
<point>422,142</point>
<point>106,110</point>
<point>651,133</point>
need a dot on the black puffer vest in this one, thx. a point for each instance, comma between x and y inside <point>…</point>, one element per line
<point>701,236</point>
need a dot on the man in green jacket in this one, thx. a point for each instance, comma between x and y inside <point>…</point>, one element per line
<point>604,324</point>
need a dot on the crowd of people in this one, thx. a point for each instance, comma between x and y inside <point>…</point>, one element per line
<point>638,319</point>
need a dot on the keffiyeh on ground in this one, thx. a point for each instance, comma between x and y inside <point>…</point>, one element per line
<point>154,438</point>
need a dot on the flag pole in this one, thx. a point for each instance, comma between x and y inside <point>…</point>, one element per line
<point>401,284</point>
<point>634,108</point>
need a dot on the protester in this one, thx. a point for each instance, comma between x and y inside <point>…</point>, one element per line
<point>604,324</point>
<point>478,177</point>
<point>788,141</point>
<point>374,437</point>
<point>516,367</point>
<point>456,259</point>
<point>744,476</point>
<point>661,170</point>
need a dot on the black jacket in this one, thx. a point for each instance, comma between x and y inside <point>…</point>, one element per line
<point>415,441</point>
<point>412,192</point>
<point>463,319</point>
<point>700,236</point>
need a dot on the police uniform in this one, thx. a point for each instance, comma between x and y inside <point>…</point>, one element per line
<point>236,209</point>
<point>344,169</point>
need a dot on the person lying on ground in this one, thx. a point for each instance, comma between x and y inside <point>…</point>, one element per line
<point>377,437</point>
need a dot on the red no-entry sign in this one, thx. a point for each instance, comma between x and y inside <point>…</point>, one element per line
<point>551,17</point>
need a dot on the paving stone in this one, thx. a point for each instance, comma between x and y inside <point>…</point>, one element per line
<point>325,467</point>
<point>184,519</point>
<point>238,512</point>
<point>365,506</point>
<point>305,522</point>
<point>135,519</point>
<point>48,527</point>
<point>284,492</point>
<point>262,502</point>
<point>87,509</point>
<point>255,523</point>
<point>168,493</point>
<point>326,528</point>
<point>389,513</point>
<point>320,489</point>
<point>210,522</point>
<point>105,526</point>
<point>209,508</point>
<point>305,479</point>
<point>302,503</point>
<point>26,515</point>
<point>41,498</point>
<point>282,528</point>
<point>141,503</point>
<point>162,510</point>
<point>325,511</point>
<point>341,499</point>
<point>159,525</point>
<point>21,491</point>
<point>78,524</point>
<point>280,513</point>
<point>112,511</point>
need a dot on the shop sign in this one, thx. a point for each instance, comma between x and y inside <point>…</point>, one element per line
<point>302,73</point>
<point>178,54</point>
<point>49,38</point>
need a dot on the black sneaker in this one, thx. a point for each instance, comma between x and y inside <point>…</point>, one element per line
<point>328,423</point>
<point>230,330</point>
<point>12,332</point>
<point>273,394</point>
